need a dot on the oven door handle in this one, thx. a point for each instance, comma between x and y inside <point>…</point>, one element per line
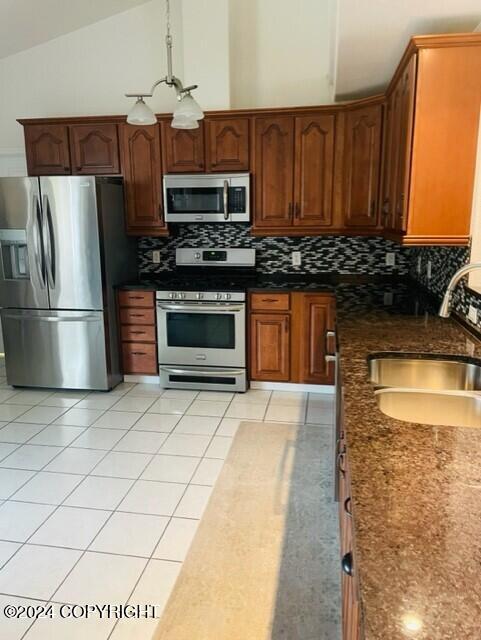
<point>201,308</point>
<point>200,372</point>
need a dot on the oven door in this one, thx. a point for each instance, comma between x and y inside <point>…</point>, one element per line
<point>206,334</point>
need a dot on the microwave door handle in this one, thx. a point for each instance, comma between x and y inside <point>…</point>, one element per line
<point>225,195</point>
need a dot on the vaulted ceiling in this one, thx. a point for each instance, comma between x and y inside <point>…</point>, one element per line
<point>26,23</point>
<point>372,35</point>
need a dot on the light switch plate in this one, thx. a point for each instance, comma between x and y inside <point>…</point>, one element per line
<point>296,258</point>
<point>419,264</point>
<point>390,259</point>
<point>429,270</point>
<point>473,314</point>
<point>156,257</point>
<point>388,298</point>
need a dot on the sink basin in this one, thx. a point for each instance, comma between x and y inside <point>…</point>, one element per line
<point>449,408</point>
<point>425,373</point>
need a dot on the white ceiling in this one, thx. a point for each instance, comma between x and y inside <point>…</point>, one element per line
<point>26,23</point>
<point>372,35</point>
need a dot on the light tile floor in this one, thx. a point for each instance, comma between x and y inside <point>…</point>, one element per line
<point>101,493</point>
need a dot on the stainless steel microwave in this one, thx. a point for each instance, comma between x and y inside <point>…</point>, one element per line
<point>222,197</point>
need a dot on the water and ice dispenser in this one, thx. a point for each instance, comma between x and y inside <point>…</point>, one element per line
<point>14,254</point>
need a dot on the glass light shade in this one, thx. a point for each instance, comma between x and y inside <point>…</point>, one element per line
<point>141,114</point>
<point>181,122</point>
<point>189,108</point>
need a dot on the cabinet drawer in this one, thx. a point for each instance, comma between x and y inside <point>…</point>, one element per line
<point>139,357</point>
<point>131,315</point>
<point>136,298</point>
<point>137,333</point>
<point>270,301</point>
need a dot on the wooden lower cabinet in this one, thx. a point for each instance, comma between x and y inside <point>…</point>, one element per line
<point>270,346</point>
<point>137,332</point>
<point>290,336</point>
<point>351,618</point>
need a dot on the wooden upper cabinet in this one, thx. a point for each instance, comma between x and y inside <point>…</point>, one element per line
<point>227,144</point>
<point>47,149</point>
<point>270,346</point>
<point>274,172</point>
<point>142,170</point>
<point>183,149</point>
<point>314,170</point>
<point>361,166</point>
<point>95,148</point>
<point>316,317</point>
<point>405,94</point>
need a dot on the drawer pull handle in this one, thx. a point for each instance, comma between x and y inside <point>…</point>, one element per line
<point>346,563</point>
<point>347,504</point>
<point>138,333</point>
<point>135,297</point>
<point>139,353</point>
<point>137,315</point>
<point>270,300</point>
<point>340,460</point>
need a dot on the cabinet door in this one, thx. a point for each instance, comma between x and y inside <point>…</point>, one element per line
<point>47,149</point>
<point>183,149</point>
<point>227,144</point>
<point>314,170</point>
<point>388,164</point>
<point>406,93</point>
<point>316,316</point>
<point>361,166</point>
<point>274,172</point>
<point>95,148</point>
<point>270,346</point>
<point>142,178</point>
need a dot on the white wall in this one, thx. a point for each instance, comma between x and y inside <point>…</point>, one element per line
<point>279,52</point>
<point>205,25</point>
<point>88,71</point>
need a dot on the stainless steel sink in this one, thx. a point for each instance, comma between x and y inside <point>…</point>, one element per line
<point>425,373</point>
<point>449,408</point>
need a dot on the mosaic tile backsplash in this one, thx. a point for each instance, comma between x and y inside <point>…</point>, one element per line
<point>444,262</point>
<point>320,254</point>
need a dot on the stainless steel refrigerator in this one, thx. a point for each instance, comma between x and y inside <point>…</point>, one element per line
<point>63,247</point>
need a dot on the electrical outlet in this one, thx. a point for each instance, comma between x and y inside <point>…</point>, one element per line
<point>390,259</point>
<point>473,314</point>
<point>429,268</point>
<point>420,264</point>
<point>388,298</point>
<point>296,258</point>
<point>156,257</point>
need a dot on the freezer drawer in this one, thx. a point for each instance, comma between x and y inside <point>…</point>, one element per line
<point>55,349</point>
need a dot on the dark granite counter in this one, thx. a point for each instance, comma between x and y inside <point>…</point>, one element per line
<point>260,282</point>
<point>416,489</point>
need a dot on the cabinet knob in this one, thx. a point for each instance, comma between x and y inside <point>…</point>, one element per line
<point>340,460</point>
<point>347,504</point>
<point>346,563</point>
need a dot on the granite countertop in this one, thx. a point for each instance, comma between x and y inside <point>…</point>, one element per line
<point>416,489</point>
<point>322,282</point>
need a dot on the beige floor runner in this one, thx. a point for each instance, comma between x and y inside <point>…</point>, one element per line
<point>264,562</point>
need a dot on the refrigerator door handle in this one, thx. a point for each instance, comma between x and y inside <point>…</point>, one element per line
<point>38,243</point>
<point>49,243</point>
<point>76,318</point>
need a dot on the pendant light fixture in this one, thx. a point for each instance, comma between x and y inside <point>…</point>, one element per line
<point>187,113</point>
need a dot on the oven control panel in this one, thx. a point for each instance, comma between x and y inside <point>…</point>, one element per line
<point>202,296</point>
<point>215,256</point>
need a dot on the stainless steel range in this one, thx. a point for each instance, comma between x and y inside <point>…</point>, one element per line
<point>201,320</point>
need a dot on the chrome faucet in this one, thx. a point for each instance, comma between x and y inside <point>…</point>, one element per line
<point>445,309</point>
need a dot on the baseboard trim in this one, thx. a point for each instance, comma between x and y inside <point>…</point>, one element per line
<point>275,386</point>
<point>292,386</point>
<point>142,379</point>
